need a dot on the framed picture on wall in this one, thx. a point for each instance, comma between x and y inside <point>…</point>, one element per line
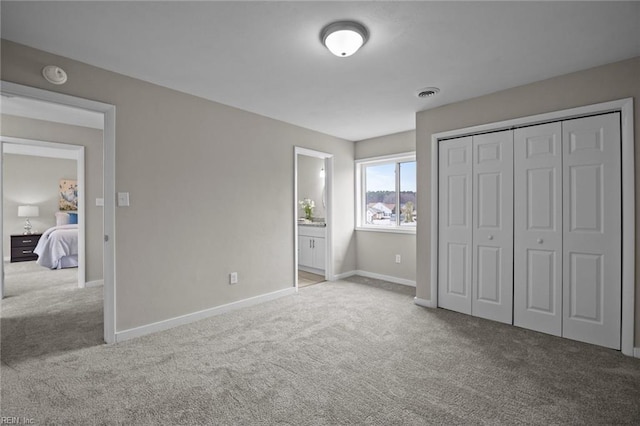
<point>68,195</point>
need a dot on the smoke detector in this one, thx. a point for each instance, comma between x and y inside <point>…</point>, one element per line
<point>54,74</point>
<point>427,92</point>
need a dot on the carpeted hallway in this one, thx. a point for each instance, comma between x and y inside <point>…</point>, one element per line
<point>346,352</point>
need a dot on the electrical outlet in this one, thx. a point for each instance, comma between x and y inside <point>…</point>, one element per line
<point>233,278</point>
<point>398,259</point>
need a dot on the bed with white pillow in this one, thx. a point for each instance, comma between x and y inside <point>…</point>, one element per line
<point>58,246</point>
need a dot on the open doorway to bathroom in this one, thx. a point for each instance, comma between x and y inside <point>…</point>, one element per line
<point>312,215</point>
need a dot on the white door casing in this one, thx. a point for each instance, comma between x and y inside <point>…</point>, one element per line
<point>592,230</point>
<point>455,229</point>
<point>492,261</point>
<point>109,141</point>
<point>537,302</point>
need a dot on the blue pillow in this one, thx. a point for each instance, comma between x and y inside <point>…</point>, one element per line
<point>73,218</point>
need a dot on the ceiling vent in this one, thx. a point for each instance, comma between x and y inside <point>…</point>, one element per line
<point>427,92</point>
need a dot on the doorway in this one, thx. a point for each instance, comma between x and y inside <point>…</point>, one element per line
<point>106,113</point>
<point>46,160</point>
<point>312,217</point>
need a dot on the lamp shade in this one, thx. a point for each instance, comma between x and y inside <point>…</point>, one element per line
<point>28,211</point>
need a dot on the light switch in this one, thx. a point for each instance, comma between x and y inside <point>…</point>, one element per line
<point>100,202</point>
<point>123,199</point>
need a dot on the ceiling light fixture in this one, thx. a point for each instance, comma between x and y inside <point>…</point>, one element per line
<point>344,38</point>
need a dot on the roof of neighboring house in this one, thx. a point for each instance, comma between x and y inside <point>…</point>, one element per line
<point>383,207</point>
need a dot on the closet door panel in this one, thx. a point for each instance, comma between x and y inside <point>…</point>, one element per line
<point>454,224</point>
<point>492,279</point>
<point>592,230</point>
<point>537,296</point>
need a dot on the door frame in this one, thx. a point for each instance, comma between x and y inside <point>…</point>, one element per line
<point>109,213</point>
<point>328,185</point>
<point>37,148</point>
<point>625,107</point>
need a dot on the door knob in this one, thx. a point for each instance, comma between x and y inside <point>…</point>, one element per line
<point>490,237</point>
<point>539,240</point>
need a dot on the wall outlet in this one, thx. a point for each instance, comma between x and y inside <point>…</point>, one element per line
<point>233,278</point>
<point>398,259</point>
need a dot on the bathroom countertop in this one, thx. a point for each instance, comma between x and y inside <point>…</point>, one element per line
<point>316,224</point>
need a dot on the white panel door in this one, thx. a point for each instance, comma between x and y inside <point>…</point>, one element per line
<point>537,293</point>
<point>492,261</point>
<point>592,230</point>
<point>455,225</point>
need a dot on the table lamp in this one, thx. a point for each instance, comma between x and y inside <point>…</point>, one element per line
<point>27,212</point>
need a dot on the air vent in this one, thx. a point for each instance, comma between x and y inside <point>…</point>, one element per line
<point>427,92</point>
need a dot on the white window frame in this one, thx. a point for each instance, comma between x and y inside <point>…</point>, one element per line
<point>361,192</point>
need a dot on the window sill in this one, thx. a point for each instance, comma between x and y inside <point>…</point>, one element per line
<point>410,231</point>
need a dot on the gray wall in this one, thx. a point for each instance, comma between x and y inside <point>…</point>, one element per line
<point>31,180</point>
<point>310,184</point>
<point>376,251</point>
<point>211,191</point>
<point>609,82</point>
<point>91,139</point>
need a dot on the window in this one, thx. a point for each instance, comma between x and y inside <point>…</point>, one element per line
<point>386,193</point>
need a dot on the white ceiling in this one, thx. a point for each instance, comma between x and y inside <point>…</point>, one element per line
<point>266,57</point>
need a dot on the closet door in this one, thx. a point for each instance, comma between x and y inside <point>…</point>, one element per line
<point>592,230</point>
<point>492,277</point>
<point>455,224</point>
<point>537,301</point>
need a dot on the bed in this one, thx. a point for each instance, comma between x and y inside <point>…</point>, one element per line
<point>58,247</point>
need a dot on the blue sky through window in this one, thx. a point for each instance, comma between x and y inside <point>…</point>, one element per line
<point>382,177</point>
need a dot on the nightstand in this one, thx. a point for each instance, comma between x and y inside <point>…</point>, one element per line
<point>22,247</point>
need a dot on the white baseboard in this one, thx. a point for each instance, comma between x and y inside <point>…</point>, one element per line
<point>389,278</point>
<point>196,316</point>
<point>425,303</point>
<point>95,283</point>
<point>636,352</point>
<point>344,275</point>
<point>376,276</point>
<point>7,258</point>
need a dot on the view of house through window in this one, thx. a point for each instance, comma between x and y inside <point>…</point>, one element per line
<point>389,193</point>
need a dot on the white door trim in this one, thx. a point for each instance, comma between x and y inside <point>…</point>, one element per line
<point>37,148</point>
<point>625,107</point>
<point>109,213</point>
<point>328,176</point>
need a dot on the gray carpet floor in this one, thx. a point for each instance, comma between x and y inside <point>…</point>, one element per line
<point>337,353</point>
